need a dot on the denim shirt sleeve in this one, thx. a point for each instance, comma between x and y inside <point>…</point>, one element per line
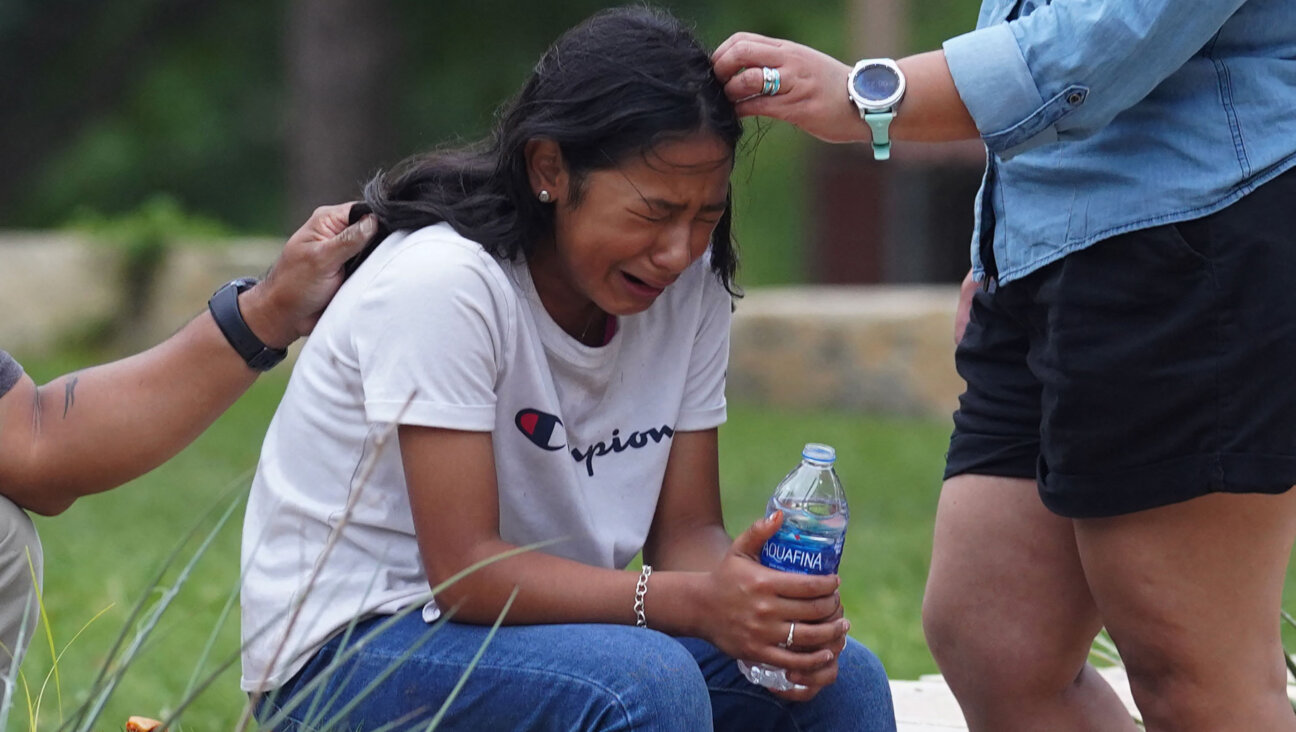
<point>1068,68</point>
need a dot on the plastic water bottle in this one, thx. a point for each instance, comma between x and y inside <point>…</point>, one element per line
<point>810,540</point>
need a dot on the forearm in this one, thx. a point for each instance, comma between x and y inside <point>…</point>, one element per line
<point>95,429</point>
<point>698,550</point>
<point>932,110</point>
<point>556,590</point>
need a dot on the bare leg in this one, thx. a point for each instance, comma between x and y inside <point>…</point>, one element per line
<point>1008,614</point>
<point>1191,595</point>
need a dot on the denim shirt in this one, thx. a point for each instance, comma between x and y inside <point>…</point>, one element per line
<point>1107,116</point>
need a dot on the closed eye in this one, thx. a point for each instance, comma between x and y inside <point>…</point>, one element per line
<point>650,217</point>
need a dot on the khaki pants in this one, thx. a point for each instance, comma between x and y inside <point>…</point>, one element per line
<point>18,540</point>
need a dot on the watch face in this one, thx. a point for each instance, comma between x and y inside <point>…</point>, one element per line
<point>875,83</point>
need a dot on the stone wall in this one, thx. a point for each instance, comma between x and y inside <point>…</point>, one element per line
<point>51,286</point>
<point>57,286</point>
<point>874,349</point>
<point>191,273</point>
<point>878,349</point>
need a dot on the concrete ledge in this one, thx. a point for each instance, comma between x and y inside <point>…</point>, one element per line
<point>191,272</point>
<point>927,705</point>
<point>57,284</point>
<point>879,349</point>
<point>52,285</point>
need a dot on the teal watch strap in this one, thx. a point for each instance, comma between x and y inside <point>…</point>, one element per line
<point>880,123</point>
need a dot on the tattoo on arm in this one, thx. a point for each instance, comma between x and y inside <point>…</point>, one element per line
<point>36,411</point>
<point>69,395</point>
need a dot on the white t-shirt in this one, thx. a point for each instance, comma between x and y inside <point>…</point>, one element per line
<point>434,331</point>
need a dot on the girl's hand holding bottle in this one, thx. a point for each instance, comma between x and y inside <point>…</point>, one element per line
<point>747,611</point>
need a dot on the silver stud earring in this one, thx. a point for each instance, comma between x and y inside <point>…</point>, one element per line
<point>545,197</point>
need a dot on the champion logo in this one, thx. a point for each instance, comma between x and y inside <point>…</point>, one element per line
<point>546,431</point>
<point>539,428</point>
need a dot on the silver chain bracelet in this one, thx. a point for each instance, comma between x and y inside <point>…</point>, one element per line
<point>641,589</point>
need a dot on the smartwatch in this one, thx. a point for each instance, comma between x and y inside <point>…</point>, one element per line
<point>876,86</point>
<point>225,311</point>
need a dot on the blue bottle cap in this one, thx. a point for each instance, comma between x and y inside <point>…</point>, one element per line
<point>818,453</point>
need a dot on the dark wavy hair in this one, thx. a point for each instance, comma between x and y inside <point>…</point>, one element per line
<point>617,85</point>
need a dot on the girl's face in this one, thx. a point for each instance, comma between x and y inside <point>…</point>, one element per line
<point>635,229</point>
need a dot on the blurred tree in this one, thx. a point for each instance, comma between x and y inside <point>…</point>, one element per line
<point>69,62</point>
<point>112,103</point>
<point>339,57</point>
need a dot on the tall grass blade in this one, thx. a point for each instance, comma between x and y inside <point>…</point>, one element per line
<point>226,609</point>
<point>11,678</point>
<point>95,705</point>
<point>463,678</point>
<point>441,586</point>
<point>401,721</point>
<point>40,696</point>
<point>341,714</point>
<point>347,653</point>
<point>192,696</point>
<point>49,638</point>
<point>197,685</point>
<point>138,609</point>
<point>31,709</point>
<point>343,645</point>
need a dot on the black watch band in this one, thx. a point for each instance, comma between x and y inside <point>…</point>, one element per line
<point>225,311</point>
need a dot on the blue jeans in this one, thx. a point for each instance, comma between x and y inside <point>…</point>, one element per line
<point>561,677</point>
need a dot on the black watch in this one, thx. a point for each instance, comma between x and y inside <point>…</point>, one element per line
<point>225,311</point>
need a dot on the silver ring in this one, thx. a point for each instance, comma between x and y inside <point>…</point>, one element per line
<point>791,629</point>
<point>771,81</point>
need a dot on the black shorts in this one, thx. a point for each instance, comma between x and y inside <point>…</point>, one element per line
<point>1148,369</point>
